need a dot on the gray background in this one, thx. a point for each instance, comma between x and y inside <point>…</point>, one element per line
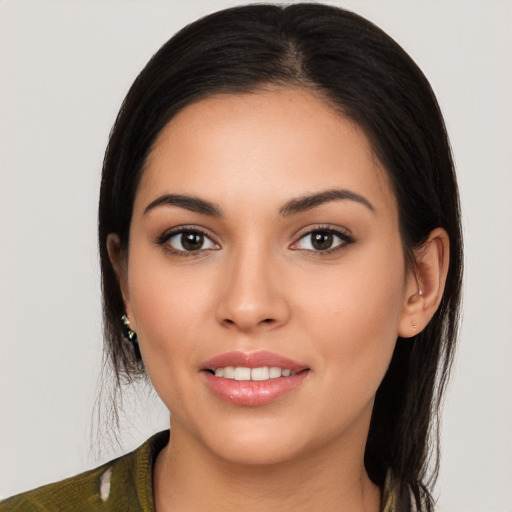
<point>64,69</point>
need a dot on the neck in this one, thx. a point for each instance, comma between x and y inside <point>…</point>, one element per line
<point>187,477</point>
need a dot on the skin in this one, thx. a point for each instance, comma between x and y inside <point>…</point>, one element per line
<point>260,285</point>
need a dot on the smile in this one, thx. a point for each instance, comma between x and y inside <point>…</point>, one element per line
<point>257,374</point>
<point>252,379</point>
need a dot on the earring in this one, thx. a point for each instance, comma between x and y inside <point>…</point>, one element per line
<point>129,334</point>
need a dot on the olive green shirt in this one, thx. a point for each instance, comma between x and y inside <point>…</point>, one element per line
<point>124,484</point>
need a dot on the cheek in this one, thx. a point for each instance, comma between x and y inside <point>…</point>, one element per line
<point>353,319</point>
<point>362,293</point>
<point>170,309</point>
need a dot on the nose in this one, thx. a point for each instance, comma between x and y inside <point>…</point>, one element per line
<point>253,297</point>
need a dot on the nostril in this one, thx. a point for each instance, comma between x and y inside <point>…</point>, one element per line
<point>249,321</point>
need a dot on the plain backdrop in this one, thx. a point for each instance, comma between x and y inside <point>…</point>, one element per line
<point>65,67</point>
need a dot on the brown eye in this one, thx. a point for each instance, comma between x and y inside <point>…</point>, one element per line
<point>189,241</point>
<point>192,241</point>
<point>322,240</point>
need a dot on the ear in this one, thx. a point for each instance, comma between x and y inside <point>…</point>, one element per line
<point>425,284</point>
<point>119,263</point>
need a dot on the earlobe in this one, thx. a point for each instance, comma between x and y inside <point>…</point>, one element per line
<point>118,261</point>
<point>425,284</point>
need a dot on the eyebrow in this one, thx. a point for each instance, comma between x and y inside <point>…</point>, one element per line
<point>308,202</point>
<point>191,203</point>
<point>292,207</point>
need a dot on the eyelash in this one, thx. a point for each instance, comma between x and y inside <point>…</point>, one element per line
<point>165,237</point>
<point>345,238</point>
<point>163,240</point>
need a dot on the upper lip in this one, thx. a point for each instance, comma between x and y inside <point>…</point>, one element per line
<point>252,360</point>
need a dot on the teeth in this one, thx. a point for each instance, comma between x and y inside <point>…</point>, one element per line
<point>275,372</point>
<point>229,372</point>
<point>258,374</point>
<point>261,374</point>
<point>242,373</point>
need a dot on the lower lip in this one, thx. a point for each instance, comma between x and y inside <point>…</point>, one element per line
<point>253,393</point>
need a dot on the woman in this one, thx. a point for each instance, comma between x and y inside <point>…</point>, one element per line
<point>280,239</point>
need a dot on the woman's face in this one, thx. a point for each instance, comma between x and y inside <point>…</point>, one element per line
<point>265,238</point>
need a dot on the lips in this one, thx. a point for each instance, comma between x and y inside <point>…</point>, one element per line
<point>252,379</point>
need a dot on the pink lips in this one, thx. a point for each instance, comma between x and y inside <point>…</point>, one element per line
<point>247,392</point>
<point>252,360</point>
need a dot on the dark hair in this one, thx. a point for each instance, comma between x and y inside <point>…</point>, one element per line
<point>369,78</point>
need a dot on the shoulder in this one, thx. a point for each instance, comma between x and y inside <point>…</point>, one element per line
<point>124,484</point>
<point>81,492</point>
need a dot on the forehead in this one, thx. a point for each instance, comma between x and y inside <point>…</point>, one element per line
<point>273,144</point>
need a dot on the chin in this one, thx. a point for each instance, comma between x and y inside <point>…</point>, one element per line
<point>253,441</point>
<point>260,451</point>
<point>268,441</point>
